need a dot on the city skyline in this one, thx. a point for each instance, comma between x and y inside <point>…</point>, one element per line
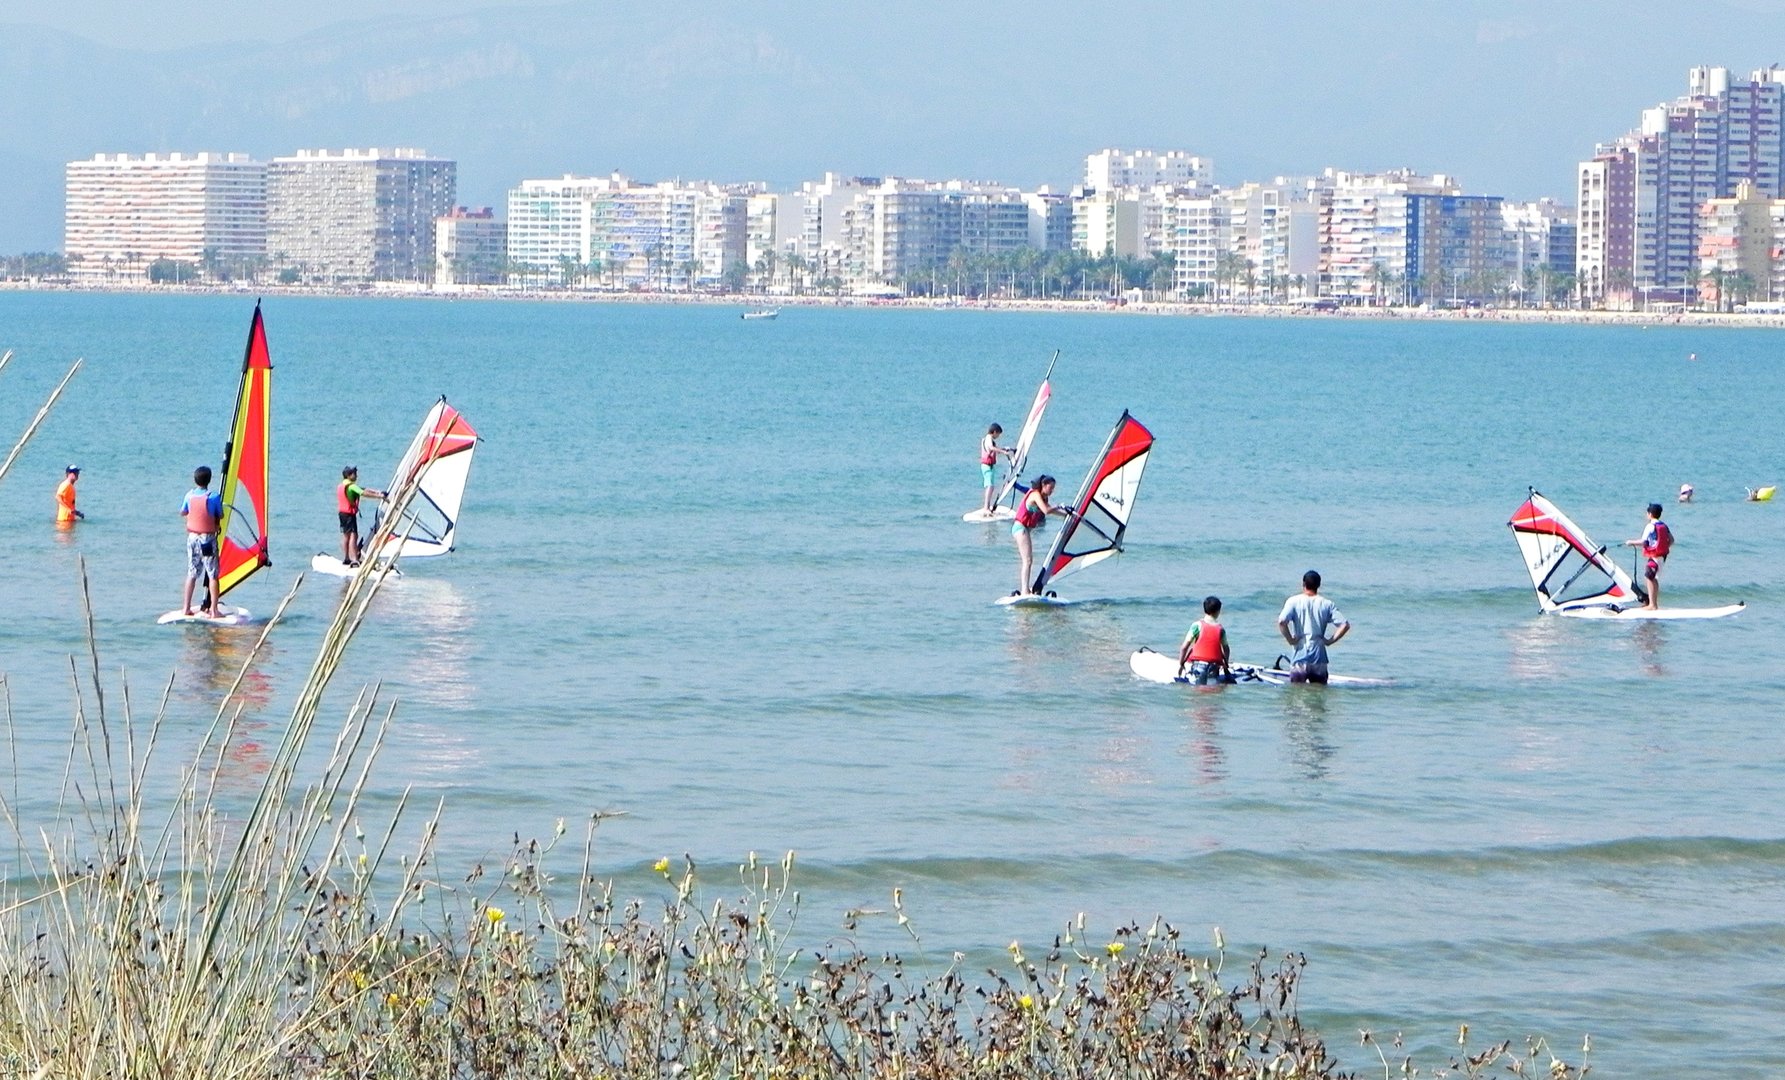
<point>1508,98</point>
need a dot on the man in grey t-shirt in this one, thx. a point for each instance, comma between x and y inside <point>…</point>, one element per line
<point>1304,623</point>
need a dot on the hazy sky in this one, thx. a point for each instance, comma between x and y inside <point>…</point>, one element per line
<point>1508,95</point>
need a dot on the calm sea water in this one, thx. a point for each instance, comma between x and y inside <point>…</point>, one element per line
<point>713,574</point>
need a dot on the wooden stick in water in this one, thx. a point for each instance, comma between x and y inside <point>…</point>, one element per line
<point>36,420</point>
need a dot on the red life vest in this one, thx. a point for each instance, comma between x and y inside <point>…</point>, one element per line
<point>343,502</point>
<point>199,518</point>
<point>1207,646</point>
<point>1662,544</point>
<point>1029,515</point>
<point>987,454</point>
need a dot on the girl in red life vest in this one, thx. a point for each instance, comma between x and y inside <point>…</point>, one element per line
<point>988,462</point>
<point>1030,513</point>
<point>1205,652</point>
<point>1656,541</point>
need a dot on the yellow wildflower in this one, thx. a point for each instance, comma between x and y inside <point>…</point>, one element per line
<point>1025,1002</point>
<point>1115,948</point>
<point>494,914</point>
<point>661,866</point>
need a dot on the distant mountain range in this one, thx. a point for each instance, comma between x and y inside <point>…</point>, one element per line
<point>514,93</point>
<point>783,90</point>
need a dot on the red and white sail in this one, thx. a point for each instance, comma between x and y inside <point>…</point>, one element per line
<point>1105,504</point>
<point>1567,569</point>
<point>436,466</point>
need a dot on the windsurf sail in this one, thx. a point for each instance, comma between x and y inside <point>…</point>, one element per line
<point>1094,530</point>
<point>243,530</point>
<point>1567,569</point>
<point>1027,437</point>
<point>435,467</point>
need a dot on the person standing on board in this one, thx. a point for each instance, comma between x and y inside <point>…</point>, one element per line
<point>988,462</point>
<point>202,509</point>
<point>1205,652</point>
<point>347,498</point>
<point>1656,541</point>
<point>1304,623</point>
<point>66,514</point>
<point>1030,513</point>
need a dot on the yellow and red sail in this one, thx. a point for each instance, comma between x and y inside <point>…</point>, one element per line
<point>246,466</point>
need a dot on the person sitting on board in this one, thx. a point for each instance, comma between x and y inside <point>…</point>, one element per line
<point>1686,492</point>
<point>66,514</point>
<point>1205,652</point>
<point>347,498</point>
<point>1030,513</point>
<point>202,509</point>
<point>988,462</point>
<point>1304,623</point>
<point>1656,541</point>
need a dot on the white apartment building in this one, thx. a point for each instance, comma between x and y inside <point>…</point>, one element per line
<point>346,216</point>
<point>125,213</point>
<point>1110,223</point>
<point>1201,243</point>
<point>1117,170</point>
<point>470,248</point>
<point>580,230</point>
<point>1363,231</point>
<point>1275,235</point>
<point>1541,242</point>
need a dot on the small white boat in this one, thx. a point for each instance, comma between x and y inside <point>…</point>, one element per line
<point>762,313</point>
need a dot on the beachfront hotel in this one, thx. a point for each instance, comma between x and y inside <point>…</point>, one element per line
<point>127,214</point>
<point>352,216</point>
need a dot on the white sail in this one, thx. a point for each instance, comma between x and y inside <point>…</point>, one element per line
<point>1567,569</point>
<point>1026,438</point>
<point>1099,519</point>
<point>436,466</point>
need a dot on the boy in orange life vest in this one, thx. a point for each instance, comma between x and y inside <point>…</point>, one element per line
<point>1656,541</point>
<point>347,498</point>
<point>1205,650</point>
<point>66,514</point>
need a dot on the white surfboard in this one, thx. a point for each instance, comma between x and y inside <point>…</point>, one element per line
<point>232,616</point>
<point>1000,513</point>
<point>1031,600</point>
<point>1160,668</point>
<point>1640,614</point>
<point>324,563</point>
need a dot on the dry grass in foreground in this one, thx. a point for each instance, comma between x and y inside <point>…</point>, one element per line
<point>281,940</point>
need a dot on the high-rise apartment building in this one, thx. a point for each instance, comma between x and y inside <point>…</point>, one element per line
<point>1682,154</point>
<point>206,212</point>
<point>1116,170</point>
<point>470,248</point>
<point>608,230</point>
<point>1456,248</point>
<point>1540,247</point>
<point>352,216</point>
<point>1364,250</point>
